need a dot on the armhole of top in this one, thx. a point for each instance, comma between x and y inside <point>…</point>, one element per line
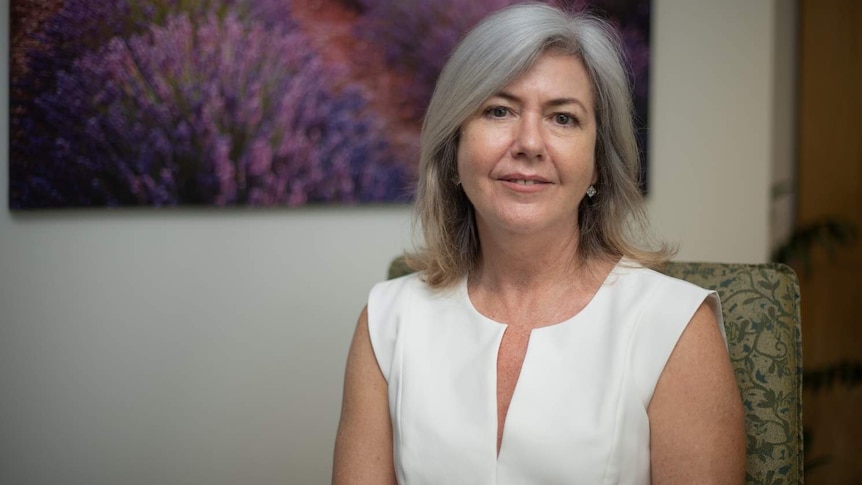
<point>714,303</point>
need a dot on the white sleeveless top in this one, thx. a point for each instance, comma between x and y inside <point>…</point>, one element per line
<point>579,410</point>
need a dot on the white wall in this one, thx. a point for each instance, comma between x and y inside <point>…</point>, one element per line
<point>207,346</point>
<point>711,127</point>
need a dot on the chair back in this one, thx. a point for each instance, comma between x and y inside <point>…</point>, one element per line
<point>760,305</point>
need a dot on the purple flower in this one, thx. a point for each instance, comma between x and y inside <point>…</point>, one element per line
<point>221,110</point>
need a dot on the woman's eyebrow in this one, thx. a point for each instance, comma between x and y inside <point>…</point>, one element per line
<point>552,103</point>
<point>565,101</point>
<point>507,96</point>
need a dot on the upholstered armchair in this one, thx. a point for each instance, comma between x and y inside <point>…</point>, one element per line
<point>760,304</point>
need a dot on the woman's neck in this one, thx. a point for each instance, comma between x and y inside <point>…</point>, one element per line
<point>528,263</point>
<point>531,281</point>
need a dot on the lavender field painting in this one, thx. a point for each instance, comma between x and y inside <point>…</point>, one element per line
<point>238,102</point>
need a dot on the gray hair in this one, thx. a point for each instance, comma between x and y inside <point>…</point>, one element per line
<point>498,50</point>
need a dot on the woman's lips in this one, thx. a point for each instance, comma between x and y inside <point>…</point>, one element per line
<point>524,183</point>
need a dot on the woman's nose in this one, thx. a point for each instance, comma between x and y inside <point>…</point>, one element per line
<point>528,140</point>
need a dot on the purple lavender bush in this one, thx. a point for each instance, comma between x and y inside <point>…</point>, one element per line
<point>82,26</point>
<point>212,111</point>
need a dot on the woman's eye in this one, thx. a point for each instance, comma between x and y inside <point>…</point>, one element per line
<point>498,111</point>
<point>564,119</point>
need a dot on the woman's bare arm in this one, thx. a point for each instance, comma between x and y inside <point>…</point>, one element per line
<point>697,430</point>
<point>363,445</point>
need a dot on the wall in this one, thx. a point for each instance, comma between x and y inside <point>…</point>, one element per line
<point>208,346</point>
<point>711,125</point>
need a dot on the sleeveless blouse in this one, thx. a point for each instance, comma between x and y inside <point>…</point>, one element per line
<point>579,410</point>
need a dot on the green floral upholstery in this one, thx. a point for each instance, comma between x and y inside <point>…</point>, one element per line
<point>760,304</point>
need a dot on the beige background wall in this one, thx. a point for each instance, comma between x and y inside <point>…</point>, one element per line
<point>148,346</point>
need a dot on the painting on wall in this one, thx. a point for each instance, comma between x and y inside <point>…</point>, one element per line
<point>220,103</point>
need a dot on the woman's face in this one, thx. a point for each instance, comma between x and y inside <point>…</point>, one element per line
<point>526,158</point>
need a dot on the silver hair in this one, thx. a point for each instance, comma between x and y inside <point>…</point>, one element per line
<point>498,50</point>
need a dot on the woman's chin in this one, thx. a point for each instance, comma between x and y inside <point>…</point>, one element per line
<point>531,224</point>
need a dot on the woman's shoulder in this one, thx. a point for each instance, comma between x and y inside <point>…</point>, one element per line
<point>388,296</point>
<point>651,277</point>
<point>392,287</point>
<point>663,297</point>
<point>413,284</point>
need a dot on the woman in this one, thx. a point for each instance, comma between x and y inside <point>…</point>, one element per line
<point>534,345</point>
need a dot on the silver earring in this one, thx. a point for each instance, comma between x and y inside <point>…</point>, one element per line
<point>591,191</point>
